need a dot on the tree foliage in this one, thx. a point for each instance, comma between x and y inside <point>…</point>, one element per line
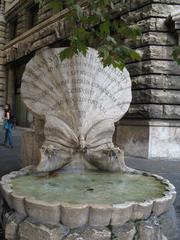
<point>176,55</point>
<point>97,24</point>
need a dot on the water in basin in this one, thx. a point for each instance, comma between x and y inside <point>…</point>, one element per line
<point>89,187</point>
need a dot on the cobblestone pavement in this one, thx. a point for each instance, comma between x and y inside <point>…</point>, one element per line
<point>10,160</point>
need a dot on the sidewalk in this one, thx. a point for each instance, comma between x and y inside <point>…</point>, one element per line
<point>10,160</point>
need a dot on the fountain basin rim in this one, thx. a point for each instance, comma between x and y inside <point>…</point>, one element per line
<point>81,214</point>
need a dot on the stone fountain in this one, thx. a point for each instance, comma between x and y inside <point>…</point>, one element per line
<point>81,189</point>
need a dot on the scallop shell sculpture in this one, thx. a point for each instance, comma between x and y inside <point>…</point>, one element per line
<point>79,100</point>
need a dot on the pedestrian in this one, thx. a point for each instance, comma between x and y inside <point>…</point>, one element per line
<point>8,126</point>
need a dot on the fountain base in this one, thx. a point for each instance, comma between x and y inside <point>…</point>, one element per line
<point>27,228</point>
<point>82,209</point>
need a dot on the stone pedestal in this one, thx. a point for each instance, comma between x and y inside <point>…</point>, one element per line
<point>31,142</point>
<point>17,227</point>
<point>27,218</point>
<point>151,139</point>
<point>29,148</point>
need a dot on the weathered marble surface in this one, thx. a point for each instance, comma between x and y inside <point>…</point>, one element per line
<point>27,229</point>
<point>78,215</point>
<point>149,139</point>
<point>79,101</point>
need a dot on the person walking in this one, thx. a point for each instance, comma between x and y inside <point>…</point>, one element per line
<point>8,125</point>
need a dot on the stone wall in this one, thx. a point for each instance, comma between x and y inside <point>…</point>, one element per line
<point>155,79</point>
<point>20,11</point>
<point>150,129</point>
<point>2,67</point>
<point>47,31</point>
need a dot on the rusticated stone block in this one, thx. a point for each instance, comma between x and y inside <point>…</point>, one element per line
<point>29,230</point>
<point>163,10</point>
<point>139,13</point>
<point>3,75</point>
<point>138,3</point>
<point>145,111</point>
<point>167,1</point>
<point>12,221</point>
<point>154,66</point>
<point>149,229</point>
<point>125,232</point>
<point>152,24</point>
<point>156,96</point>
<point>155,38</point>
<point>90,234</point>
<point>162,81</point>
<point>171,111</point>
<point>156,52</point>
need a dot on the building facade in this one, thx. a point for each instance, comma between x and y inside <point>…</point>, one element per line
<point>151,128</point>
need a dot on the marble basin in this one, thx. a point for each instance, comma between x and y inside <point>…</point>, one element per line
<point>87,198</point>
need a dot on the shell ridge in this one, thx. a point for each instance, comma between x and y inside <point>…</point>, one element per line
<point>79,100</point>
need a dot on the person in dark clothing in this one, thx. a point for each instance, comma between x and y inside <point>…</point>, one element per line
<point>8,125</point>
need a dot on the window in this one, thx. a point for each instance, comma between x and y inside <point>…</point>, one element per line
<point>13,28</point>
<point>32,16</point>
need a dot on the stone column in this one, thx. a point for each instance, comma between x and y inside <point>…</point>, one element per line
<point>2,67</point>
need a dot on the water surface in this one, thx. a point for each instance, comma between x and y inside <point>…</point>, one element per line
<point>89,187</point>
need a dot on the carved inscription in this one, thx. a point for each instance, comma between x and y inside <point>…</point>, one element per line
<point>85,79</point>
<point>79,101</point>
<point>81,84</point>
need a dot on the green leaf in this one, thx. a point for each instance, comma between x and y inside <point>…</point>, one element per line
<point>134,55</point>
<point>131,32</point>
<point>111,39</point>
<point>69,3</point>
<point>67,53</point>
<point>176,55</point>
<point>118,64</point>
<point>103,52</point>
<point>105,28</point>
<point>56,5</point>
<point>36,1</point>
<point>81,34</point>
<point>91,23</point>
<point>134,31</point>
<point>78,11</point>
